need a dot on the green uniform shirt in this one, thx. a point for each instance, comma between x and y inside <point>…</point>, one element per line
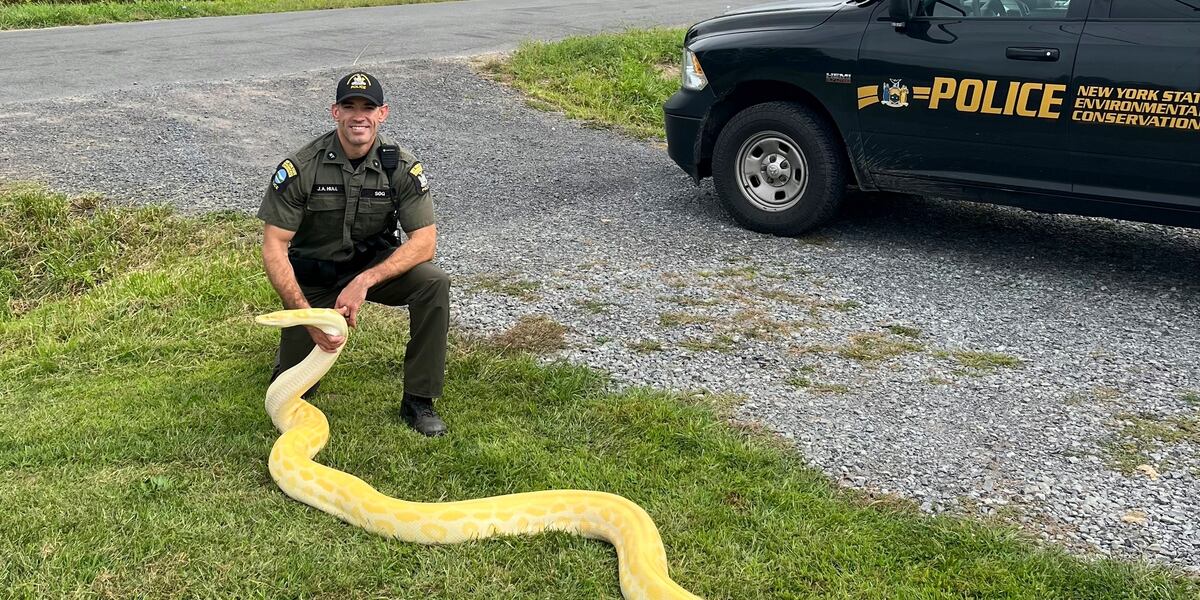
<point>330,205</point>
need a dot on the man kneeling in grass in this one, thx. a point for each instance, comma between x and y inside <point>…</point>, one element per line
<point>331,213</point>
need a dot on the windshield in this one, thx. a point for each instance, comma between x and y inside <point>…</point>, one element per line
<point>1036,9</point>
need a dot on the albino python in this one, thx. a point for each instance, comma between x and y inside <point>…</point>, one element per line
<point>304,431</point>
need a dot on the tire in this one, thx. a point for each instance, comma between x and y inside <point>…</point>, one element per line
<point>779,168</point>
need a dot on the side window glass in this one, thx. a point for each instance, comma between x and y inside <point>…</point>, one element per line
<point>990,9</point>
<point>1155,9</point>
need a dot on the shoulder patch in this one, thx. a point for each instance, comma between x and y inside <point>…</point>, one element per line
<point>284,174</point>
<point>418,174</point>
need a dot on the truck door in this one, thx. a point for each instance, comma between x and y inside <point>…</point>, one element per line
<point>970,90</point>
<point>1135,121</point>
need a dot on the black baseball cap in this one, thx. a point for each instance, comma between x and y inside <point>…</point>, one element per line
<point>360,85</point>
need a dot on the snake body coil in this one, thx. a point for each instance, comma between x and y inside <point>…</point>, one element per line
<point>305,430</point>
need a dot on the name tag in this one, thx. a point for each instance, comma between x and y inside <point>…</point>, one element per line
<point>375,194</point>
<point>329,188</point>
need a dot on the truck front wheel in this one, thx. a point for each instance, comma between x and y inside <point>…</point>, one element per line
<point>778,168</point>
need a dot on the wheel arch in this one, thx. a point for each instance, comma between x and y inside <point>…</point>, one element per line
<point>747,94</point>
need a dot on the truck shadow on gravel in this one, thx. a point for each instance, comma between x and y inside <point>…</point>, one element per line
<point>1096,250</point>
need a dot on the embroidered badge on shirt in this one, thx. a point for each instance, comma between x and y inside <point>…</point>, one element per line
<point>284,173</point>
<point>418,174</point>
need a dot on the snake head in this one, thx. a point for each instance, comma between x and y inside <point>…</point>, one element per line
<point>328,320</point>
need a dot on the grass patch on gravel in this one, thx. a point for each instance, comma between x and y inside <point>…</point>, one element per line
<point>16,14</point>
<point>596,307</point>
<point>534,334</point>
<point>759,325</point>
<point>745,272</point>
<point>1098,394</point>
<point>904,331</point>
<point>692,302</point>
<point>783,296</point>
<point>720,343</point>
<point>134,464</point>
<point>876,347</point>
<point>615,80</point>
<point>646,346</point>
<point>982,361</point>
<point>1140,434</point>
<point>681,319</point>
<point>509,285</point>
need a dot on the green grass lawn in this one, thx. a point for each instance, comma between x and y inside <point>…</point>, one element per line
<point>19,14</point>
<point>615,80</point>
<point>134,445</point>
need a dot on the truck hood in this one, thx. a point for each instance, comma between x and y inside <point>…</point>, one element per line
<point>792,14</point>
<point>804,5</point>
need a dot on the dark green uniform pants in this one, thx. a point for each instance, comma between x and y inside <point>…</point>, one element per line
<point>426,291</point>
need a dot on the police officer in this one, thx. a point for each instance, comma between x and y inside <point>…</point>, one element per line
<point>331,212</point>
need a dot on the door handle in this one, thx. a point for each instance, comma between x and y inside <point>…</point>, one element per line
<point>1045,54</point>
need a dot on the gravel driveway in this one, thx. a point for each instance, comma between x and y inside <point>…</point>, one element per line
<point>975,359</point>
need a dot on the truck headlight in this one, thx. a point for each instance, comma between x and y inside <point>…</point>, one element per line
<point>693,73</point>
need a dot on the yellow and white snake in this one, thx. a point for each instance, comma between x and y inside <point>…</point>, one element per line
<point>304,431</point>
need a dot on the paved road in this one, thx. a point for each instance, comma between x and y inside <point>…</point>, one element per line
<point>73,61</point>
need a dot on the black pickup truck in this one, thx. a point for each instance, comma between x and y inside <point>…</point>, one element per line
<point>1071,106</point>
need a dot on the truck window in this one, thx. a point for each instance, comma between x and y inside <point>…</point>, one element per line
<point>1156,9</point>
<point>990,9</point>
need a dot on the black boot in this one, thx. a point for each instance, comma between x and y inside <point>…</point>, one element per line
<point>419,414</point>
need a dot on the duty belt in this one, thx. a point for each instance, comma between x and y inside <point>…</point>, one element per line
<point>313,272</point>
